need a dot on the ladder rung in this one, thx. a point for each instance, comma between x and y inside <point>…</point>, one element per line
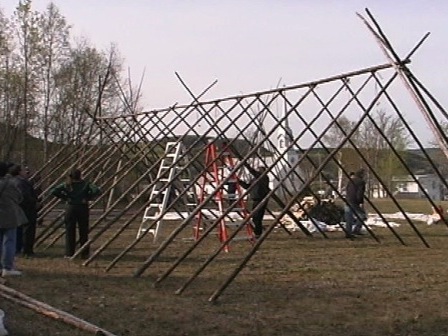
<point>154,205</point>
<point>170,150</point>
<point>146,229</point>
<point>157,192</point>
<point>171,163</point>
<point>145,218</point>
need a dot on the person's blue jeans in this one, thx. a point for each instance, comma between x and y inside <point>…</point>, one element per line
<point>8,248</point>
<point>351,214</point>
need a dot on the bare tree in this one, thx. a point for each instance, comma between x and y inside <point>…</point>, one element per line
<point>10,91</point>
<point>370,141</point>
<point>80,82</point>
<point>338,132</point>
<point>379,142</point>
<point>27,36</point>
<point>335,136</point>
<point>54,50</point>
<point>51,87</point>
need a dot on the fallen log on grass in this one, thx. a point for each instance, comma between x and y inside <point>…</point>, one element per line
<point>49,311</point>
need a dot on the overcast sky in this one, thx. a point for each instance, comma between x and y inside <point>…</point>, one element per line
<point>253,45</point>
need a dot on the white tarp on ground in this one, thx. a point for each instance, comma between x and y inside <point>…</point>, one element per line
<point>373,220</point>
<point>310,225</point>
<point>429,219</point>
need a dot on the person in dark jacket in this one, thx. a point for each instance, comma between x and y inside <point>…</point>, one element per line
<point>258,195</point>
<point>354,208</point>
<point>12,217</point>
<point>76,193</point>
<point>25,234</point>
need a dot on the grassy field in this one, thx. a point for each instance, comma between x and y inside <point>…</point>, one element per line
<point>294,285</point>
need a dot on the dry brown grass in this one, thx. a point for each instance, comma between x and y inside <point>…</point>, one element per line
<point>292,286</point>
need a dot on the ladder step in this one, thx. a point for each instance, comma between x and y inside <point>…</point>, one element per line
<point>154,205</point>
<point>142,230</point>
<point>157,192</point>
<point>171,164</point>
<point>146,218</point>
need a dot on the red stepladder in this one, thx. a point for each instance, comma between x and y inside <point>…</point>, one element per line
<point>220,165</point>
<point>235,191</point>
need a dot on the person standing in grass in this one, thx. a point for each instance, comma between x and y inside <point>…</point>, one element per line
<point>77,193</point>
<point>12,217</point>
<point>258,194</point>
<point>27,233</point>
<point>354,212</point>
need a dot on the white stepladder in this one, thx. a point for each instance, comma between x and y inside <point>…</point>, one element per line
<point>173,176</point>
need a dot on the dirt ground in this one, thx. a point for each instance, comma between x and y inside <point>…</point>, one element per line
<point>294,285</point>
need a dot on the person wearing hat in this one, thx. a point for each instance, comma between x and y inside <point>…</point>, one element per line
<point>259,185</point>
<point>12,217</point>
<point>76,193</point>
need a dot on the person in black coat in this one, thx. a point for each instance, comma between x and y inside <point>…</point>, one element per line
<point>25,234</point>
<point>77,193</point>
<point>354,209</point>
<point>258,195</point>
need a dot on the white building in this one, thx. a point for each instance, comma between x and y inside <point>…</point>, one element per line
<point>281,165</point>
<point>284,168</point>
<point>407,187</point>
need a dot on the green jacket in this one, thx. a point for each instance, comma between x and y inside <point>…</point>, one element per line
<point>75,193</point>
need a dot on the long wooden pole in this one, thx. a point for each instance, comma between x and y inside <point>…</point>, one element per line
<point>236,271</point>
<point>49,311</point>
<point>260,93</point>
<point>404,72</point>
<point>164,132</point>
